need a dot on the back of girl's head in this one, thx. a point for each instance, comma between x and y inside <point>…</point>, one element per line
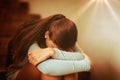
<point>63,32</point>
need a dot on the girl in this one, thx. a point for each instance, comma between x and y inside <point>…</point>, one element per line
<point>55,32</point>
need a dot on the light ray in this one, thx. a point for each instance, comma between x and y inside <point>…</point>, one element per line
<point>95,10</point>
<point>112,12</point>
<point>83,10</point>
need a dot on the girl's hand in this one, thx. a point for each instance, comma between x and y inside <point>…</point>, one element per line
<point>91,63</point>
<point>38,55</point>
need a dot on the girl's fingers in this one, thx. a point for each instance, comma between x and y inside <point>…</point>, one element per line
<point>32,60</point>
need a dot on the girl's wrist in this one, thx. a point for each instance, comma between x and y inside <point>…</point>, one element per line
<point>51,52</point>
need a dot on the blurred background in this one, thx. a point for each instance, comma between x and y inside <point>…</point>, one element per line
<point>98,23</point>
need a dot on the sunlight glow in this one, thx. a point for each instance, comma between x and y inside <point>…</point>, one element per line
<point>100,7</point>
<point>100,1</point>
<point>83,10</point>
<point>112,11</point>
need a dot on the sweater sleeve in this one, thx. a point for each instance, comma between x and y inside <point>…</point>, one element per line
<point>64,55</point>
<point>62,67</point>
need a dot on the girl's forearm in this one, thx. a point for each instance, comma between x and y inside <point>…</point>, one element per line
<point>63,67</point>
<point>58,54</point>
<point>43,55</point>
<point>65,55</point>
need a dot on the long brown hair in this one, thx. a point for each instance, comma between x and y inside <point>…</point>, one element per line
<point>63,32</point>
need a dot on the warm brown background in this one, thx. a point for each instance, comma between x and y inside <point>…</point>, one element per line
<point>98,23</point>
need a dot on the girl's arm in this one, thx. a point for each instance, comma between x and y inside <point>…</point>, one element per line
<point>63,67</point>
<point>38,54</point>
<point>65,55</point>
<point>58,67</point>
